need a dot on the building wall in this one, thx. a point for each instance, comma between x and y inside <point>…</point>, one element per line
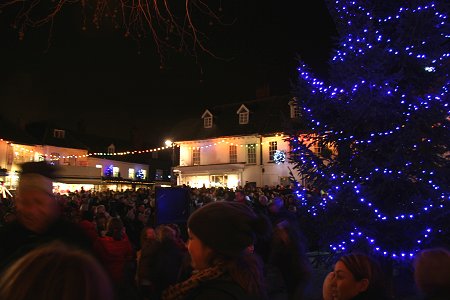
<point>66,156</point>
<point>215,152</point>
<point>102,164</point>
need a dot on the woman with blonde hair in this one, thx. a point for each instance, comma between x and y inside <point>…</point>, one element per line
<point>220,234</point>
<point>56,271</point>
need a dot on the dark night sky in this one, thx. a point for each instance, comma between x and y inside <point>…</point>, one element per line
<point>99,78</point>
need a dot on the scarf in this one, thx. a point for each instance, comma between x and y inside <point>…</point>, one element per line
<point>180,290</point>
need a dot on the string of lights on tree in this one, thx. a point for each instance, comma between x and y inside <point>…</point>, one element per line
<point>385,113</point>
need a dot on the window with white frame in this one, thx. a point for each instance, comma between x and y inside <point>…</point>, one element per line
<point>295,108</point>
<point>116,172</point>
<point>251,153</point>
<point>233,153</point>
<point>207,122</point>
<point>196,156</point>
<point>295,111</point>
<point>243,117</point>
<point>59,133</point>
<point>207,119</point>
<point>111,149</point>
<point>131,173</point>
<point>243,114</point>
<point>272,149</point>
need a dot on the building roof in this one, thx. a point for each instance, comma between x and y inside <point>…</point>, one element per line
<point>14,133</point>
<point>266,116</point>
<point>43,131</point>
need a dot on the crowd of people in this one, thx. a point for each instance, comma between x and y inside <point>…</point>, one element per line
<point>236,244</point>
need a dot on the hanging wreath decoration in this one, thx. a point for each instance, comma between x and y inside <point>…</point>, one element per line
<point>279,157</point>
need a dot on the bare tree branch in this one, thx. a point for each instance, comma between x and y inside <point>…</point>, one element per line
<point>172,25</point>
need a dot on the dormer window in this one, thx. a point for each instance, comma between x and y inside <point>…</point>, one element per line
<point>207,119</point>
<point>243,113</point>
<point>111,149</point>
<point>59,133</point>
<point>295,108</point>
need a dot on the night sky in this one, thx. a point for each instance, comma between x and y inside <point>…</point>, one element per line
<point>111,84</point>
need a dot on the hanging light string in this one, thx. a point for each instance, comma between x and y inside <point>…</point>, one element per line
<point>21,148</point>
<point>223,141</point>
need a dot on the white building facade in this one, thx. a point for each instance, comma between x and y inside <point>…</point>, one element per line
<point>236,145</point>
<point>233,161</point>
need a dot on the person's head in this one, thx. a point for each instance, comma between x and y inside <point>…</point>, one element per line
<point>36,205</point>
<point>276,205</point>
<point>263,200</point>
<point>357,273</point>
<point>147,236</point>
<point>240,196</point>
<point>100,209</point>
<point>222,230</point>
<point>87,215</point>
<point>165,232</point>
<point>115,228</point>
<point>432,272</point>
<point>56,271</point>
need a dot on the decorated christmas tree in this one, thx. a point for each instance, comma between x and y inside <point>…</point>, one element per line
<point>374,163</point>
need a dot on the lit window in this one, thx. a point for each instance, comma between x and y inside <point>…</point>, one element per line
<point>251,153</point>
<point>272,150</point>
<point>233,153</point>
<point>131,173</point>
<point>116,172</point>
<point>196,156</point>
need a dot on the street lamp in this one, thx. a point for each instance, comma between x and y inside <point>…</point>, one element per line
<point>168,144</point>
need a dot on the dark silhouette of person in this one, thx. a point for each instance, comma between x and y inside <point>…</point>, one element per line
<point>39,218</point>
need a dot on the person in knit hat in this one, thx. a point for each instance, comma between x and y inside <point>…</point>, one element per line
<point>39,218</point>
<point>220,236</point>
<point>35,204</point>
